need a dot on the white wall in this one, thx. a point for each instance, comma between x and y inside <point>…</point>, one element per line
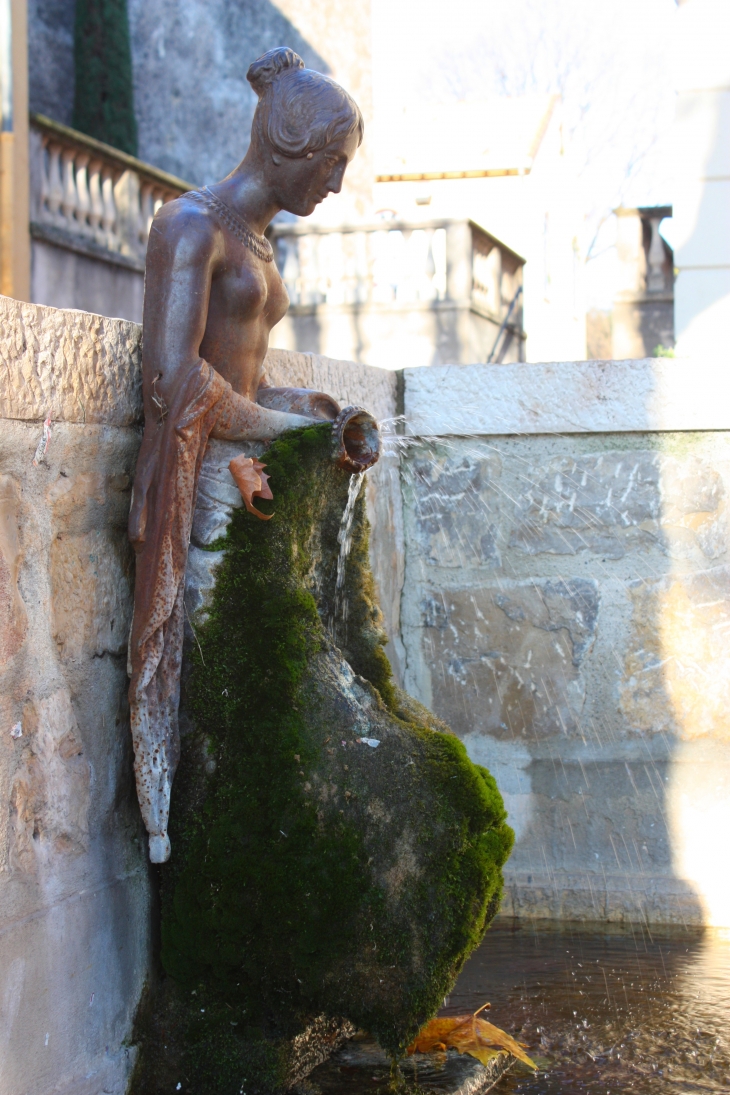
<point>702,185</point>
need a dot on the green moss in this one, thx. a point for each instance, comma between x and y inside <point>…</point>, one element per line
<point>309,874</point>
<point>103,97</point>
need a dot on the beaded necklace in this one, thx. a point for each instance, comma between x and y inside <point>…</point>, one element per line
<point>259,245</point>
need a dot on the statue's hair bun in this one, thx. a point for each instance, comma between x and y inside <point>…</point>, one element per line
<point>264,70</point>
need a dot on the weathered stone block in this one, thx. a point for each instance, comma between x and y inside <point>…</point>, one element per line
<point>677,661</point>
<point>612,503</point>
<point>507,659</point>
<point>75,366</point>
<point>74,895</point>
<point>457,509</point>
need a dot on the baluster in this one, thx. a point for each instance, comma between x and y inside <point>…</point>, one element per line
<point>83,203</point>
<point>290,267</point>
<point>160,200</point>
<point>438,256</point>
<point>70,197</point>
<point>126,201</point>
<point>147,212</point>
<point>655,279</point>
<point>109,214</point>
<point>361,272</point>
<point>96,202</point>
<point>45,181</point>
<point>55,181</point>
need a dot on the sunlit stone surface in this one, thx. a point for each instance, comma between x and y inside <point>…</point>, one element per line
<point>566,608</point>
<point>584,658</point>
<point>74,893</point>
<point>75,905</point>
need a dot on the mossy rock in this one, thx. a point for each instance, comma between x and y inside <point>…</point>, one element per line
<point>312,874</point>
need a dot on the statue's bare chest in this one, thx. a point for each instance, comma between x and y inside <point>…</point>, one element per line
<point>249,289</point>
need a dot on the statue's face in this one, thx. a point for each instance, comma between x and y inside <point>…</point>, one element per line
<point>300,185</point>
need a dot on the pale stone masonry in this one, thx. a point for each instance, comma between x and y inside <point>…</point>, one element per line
<point>555,539</point>
<point>74,888</point>
<point>566,609</point>
<point>75,900</point>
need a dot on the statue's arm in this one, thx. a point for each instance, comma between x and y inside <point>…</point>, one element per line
<point>303,401</point>
<point>183,251</point>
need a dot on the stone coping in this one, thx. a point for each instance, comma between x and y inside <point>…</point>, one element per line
<point>75,366</point>
<point>570,397</point>
<point>87,369</point>
<point>84,368</point>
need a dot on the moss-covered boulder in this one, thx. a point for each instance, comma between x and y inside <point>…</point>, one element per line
<point>314,873</point>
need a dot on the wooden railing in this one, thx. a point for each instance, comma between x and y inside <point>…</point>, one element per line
<point>89,196</point>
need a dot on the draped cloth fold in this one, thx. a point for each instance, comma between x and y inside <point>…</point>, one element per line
<point>160,522</point>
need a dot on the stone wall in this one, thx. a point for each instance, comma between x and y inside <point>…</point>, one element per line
<point>566,607</point>
<point>66,278</point>
<point>75,893</point>
<point>556,539</point>
<point>190,57</point>
<point>74,885</point>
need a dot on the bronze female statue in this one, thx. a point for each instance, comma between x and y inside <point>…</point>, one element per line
<point>212,295</point>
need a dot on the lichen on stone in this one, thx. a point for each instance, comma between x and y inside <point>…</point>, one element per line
<point>312,874</point>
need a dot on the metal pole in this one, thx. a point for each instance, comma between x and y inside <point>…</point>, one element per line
<point>505,321</point>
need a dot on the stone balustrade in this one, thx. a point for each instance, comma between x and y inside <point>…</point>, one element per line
<point>91,196</point>
<point>356,288</point>
<point>375,264</point>
<point>397,263</point>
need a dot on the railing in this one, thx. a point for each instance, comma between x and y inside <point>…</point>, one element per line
<point>393,263</point>
<point>371,265</point>
<point>86,193</point>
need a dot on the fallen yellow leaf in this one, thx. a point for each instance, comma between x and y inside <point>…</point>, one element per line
<point>468,1034</point>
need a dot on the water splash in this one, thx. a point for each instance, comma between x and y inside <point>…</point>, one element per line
<point>344,539</point>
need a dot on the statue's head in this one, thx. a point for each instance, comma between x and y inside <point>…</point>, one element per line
<point>306,129</point>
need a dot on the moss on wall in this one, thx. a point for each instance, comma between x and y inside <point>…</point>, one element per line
<point>311,873</point>
<point>103,94</point>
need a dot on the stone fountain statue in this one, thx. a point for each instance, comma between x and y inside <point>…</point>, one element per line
<point>335,853</point>
<point>212,295</point>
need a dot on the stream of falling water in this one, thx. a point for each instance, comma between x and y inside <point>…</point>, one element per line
<point>344,539</point>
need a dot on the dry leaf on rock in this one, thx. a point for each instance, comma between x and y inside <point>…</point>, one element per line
<point>252,482</point>
<point>469,1035</point>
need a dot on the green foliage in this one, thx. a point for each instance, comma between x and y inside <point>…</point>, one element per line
<point>663,351</point>
<point>103,98</point>
<point>273,910</point>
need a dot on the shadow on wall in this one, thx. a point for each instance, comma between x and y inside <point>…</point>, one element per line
<point>566,607</point>
<point>51,58</point>
<point>194,105</point>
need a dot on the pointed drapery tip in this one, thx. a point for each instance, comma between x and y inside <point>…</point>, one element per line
<point>159,847</point>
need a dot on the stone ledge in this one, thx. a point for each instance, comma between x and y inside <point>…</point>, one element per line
<point>75,366</point>
<point>645,395</point>
<point>615,898</point>
<point>85,368</point>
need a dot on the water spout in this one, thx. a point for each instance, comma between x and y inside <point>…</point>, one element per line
<point>356,438</point>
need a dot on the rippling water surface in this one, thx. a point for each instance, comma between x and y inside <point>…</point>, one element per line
<point>633,1012</point>
<point>600,1013</point>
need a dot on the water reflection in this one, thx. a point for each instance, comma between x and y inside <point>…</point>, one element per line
<point>639,1012</point>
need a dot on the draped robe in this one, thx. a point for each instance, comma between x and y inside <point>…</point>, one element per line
<point>160,523</point>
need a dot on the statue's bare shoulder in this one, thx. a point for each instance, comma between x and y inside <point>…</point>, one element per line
<point>185,233</point>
